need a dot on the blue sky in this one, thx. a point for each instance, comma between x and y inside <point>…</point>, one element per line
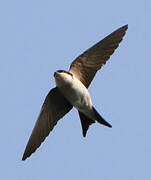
<point>38,37</point>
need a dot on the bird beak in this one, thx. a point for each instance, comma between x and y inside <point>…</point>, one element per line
<point>54,74</point>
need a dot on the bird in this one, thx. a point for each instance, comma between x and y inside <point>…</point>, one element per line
<point>72,91</point>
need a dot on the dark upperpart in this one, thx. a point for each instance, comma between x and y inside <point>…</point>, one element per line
<point>62,71</point>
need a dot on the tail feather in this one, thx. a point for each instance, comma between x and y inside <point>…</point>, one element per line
<point>85,122</point>
<point>100,119</point>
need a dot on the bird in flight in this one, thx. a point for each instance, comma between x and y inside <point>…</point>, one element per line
<point>72,91</point>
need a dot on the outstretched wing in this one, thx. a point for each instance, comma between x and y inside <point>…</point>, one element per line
<point>86,65</point>
<point>54,108</point>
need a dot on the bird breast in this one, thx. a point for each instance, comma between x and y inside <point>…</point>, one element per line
<point>76,93</point>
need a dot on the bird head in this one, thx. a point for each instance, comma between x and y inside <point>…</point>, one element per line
<point>63,78</point>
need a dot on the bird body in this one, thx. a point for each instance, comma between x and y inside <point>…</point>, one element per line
<point>72,91</point>
<point>78,96</point>
<point>75,92</point>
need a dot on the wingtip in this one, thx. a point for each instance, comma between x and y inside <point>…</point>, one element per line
<point>110,126</point>
<point>125,27</point>
<point>24,158</point>
<point>26,155</point>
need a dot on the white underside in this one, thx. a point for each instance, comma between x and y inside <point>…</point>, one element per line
<point>77,94</point>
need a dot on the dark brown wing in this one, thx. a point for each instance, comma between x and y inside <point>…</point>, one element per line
<point>86,65</point>
<point>55,107</point>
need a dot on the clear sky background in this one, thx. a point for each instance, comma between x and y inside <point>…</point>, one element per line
<point>39,37</point>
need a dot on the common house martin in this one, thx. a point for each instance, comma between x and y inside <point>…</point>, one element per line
<point>72,91</point>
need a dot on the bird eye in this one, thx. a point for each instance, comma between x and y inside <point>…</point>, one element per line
<point>70,73</point>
